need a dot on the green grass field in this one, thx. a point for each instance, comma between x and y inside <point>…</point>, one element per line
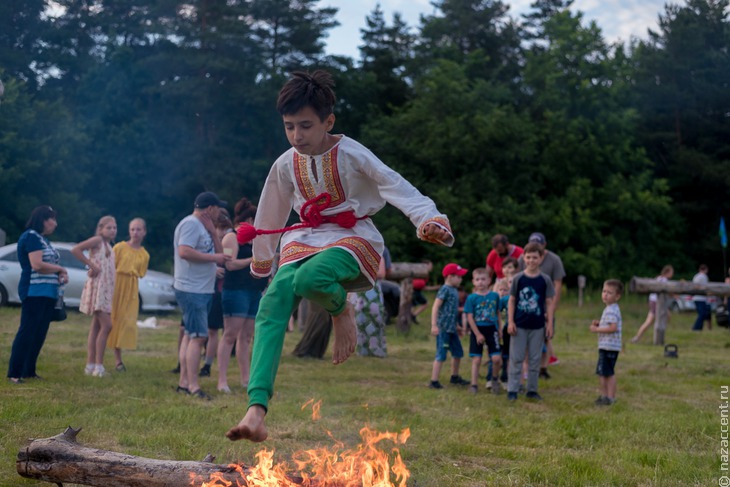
<point>664,430</point>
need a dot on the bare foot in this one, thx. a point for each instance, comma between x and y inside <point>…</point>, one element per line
<point>251,427</point>
<point>345,334</point>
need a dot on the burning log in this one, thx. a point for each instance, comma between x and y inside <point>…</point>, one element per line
<point>61,459</point>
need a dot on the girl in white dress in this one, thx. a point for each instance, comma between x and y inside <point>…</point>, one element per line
<point>98,293</point>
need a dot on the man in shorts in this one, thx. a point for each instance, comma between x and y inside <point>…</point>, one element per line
<point>197,252</point>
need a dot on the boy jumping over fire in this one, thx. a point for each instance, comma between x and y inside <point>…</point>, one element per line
<point>335,184</point>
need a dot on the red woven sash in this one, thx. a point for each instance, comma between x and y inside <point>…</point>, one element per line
<point>311,216</point>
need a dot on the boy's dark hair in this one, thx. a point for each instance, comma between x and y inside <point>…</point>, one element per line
<point>511,260</point>
<point>616,284</point>
<point>534,247</point>
<point>243,210</point>
<point>38,216</point>
<point>307,90</point>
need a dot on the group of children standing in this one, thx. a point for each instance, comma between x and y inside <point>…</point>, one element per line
<point>514,348</point>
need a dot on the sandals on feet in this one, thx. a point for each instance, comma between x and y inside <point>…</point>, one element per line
<point>202,395</point>
<point>120,367</point>
<point>15,380</point>
<point>184,390</point>
<point>225,390</point>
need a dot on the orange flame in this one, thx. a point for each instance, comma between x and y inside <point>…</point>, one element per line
<point>315,408</point>
<point>366,465</point>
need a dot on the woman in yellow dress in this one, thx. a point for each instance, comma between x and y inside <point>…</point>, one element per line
<point>131,263</point>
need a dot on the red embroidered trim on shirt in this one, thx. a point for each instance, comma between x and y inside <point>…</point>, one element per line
<point>365,252</point>
<point>262,267</point>
<point>330,177</point>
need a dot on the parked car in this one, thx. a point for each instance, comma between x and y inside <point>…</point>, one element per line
<point>155,288</point>
<point>684,302</point>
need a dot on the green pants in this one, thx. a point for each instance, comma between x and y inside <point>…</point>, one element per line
<point>317,278</point>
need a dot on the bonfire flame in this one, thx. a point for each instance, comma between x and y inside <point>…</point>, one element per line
<point>367,465</point>
<point>315,408</point>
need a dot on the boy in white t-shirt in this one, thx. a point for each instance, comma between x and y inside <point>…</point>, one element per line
<point>609,340</point>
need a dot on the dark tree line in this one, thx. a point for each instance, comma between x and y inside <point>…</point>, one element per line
<point>619,153</point>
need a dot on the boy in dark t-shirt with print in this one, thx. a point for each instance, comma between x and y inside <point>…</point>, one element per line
<point>530,321</point>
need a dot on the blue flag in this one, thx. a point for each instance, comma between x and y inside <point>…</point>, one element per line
<point>723,233</point>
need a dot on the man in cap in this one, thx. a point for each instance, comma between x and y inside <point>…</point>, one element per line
<point>197,253</point>
<point>551,265</point>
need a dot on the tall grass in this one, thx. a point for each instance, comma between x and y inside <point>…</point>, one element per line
<point>664,429</point>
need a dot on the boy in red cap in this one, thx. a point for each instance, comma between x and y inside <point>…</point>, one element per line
<point>445,327</point>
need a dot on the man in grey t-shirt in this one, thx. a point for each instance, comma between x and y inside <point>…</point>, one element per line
<point>197,253</point>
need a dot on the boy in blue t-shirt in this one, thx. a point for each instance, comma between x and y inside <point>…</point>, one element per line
<point>444,326</point>
<point>530,320</point>
<point>482,315</point>
<point>609,340</point>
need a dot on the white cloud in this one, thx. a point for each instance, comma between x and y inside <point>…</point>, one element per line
<point>618,19</point>
<point>621,19</point>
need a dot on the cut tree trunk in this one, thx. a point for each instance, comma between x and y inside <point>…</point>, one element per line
<point>661,318</point>
<point>60,459</point>
<point>405,272</point>
<point>406,303</point>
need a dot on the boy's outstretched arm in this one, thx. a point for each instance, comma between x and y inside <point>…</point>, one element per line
<point>434,233</point>
<point>432,226</point>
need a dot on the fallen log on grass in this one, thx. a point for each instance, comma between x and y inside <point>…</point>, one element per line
<point>60,459</point>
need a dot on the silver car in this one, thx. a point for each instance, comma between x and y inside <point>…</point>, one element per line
<point>155,288</point>
<point>684,302</point>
